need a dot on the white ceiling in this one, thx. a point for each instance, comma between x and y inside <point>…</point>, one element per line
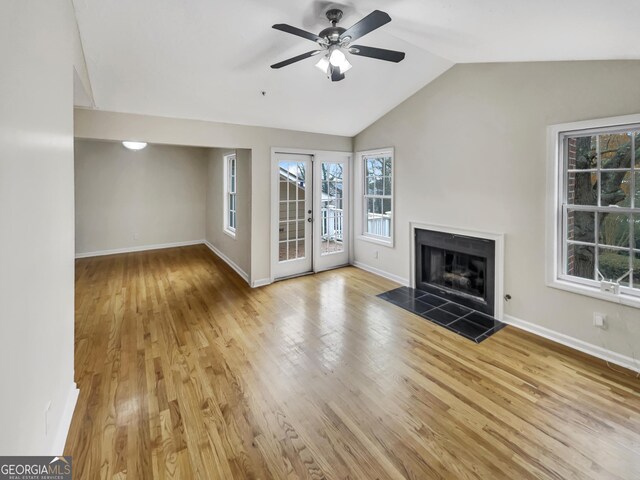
<point>209,60</point>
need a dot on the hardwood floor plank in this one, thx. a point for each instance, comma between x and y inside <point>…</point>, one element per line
<point>187,373</point>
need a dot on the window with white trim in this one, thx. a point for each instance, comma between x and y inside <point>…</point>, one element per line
<point>230,188</point>
<point>377,202</point>
<point>599,207</point>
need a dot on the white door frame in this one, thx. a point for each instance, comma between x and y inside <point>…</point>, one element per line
<point>274,196</point>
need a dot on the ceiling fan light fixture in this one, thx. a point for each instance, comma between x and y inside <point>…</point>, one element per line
<point>323,65</point>
<point>345,66</point>
<point>335,42</point>
<point>338,59</point>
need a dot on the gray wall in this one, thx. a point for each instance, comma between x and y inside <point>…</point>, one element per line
<point>36,236</point>
<point>471,153</point>
<point>238,248</point>
<point>94,124</point>
<point>127,199</point>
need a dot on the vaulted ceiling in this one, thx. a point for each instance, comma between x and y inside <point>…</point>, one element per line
<point>209,60</point>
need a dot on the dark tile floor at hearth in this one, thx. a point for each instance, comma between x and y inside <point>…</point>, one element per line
<point>462,320</point>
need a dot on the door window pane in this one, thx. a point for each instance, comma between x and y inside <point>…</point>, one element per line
<point>292,212</point>
<point>332,215</point>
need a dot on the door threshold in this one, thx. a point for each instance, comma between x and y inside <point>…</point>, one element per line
<point>295,275</point>
<point>334,268</point>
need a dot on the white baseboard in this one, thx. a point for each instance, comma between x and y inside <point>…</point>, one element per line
<point>261,282</point>
<point>140,248</point>
<point>382,273</point>
<point>588,348</point>
<point>60,436</point>
<point>228,261</point>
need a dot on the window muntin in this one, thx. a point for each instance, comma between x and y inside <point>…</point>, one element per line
<point>600,207</point>
<point>378,195</point>
<point>230,188</point>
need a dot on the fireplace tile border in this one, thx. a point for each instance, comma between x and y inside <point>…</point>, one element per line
<point>471,324</point>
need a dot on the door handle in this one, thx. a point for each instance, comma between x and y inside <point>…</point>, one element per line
<point>309,219</point>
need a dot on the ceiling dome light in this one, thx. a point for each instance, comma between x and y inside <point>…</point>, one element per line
<point>134,145</point>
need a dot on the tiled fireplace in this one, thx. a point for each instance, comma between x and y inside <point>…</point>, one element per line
<point>457,279</point>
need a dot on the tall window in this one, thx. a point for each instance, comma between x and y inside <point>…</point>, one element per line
<point>599,200</point>
<point>230,185</point>
<point>378,195</point>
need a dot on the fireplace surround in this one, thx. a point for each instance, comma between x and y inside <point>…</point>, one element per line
<point>456,267</point>
<point>464,266</point>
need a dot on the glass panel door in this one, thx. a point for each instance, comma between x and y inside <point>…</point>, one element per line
<point>331,225</point>
<point>294,221</point>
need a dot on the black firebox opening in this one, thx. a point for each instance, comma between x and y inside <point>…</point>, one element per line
<point>456,267</point>
<point>455,270</point>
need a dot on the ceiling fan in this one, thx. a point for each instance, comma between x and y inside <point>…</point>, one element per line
<point>335,41</point>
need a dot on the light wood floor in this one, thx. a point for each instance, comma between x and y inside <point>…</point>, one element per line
<point>185,372</point>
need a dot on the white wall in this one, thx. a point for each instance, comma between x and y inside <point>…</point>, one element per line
<point>129,199</point>
<point>471,152</point>
<point>92,124</point>
<point>236,249</point>
<point>36,231</point>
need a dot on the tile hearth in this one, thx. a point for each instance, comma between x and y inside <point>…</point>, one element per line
<point>462,320</point>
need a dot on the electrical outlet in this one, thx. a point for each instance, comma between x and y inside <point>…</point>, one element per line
<point>599,320</point>
<point>135,236</point>
<point>375,254</point>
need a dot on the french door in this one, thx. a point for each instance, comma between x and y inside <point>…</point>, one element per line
<point>295,214</point>
<point>331,213</point>
<point>310,227</point>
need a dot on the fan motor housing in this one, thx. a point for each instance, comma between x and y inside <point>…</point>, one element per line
<point>332,33</point>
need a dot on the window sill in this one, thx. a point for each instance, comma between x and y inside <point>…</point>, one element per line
<point>377,240</point>
<point>593,292</point>
<point>231,233</point>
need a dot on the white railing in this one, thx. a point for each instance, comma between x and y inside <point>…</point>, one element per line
<point>332,223</point>
<point>379,224</point>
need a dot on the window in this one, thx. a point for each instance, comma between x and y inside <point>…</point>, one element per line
<point>598,212</point>
<point>378,195</point>
<point>230,185</point>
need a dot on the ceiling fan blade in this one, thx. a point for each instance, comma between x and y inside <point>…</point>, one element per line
<point>297,31</point>
<point>374,20</point>
<point>336,76</point>
<point>291,60</point>
<point>378,53</point>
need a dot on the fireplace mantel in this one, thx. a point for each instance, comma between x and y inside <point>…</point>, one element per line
<point>498,238</point>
